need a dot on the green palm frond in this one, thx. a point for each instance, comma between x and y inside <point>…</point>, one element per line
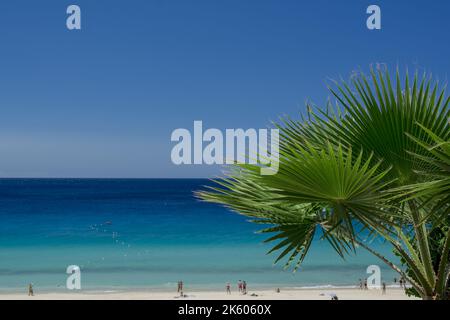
<point>379,114</point>
<point>313,189</point>
<point>294,225</point>
<point>361,167</point>
<point>436,187</point>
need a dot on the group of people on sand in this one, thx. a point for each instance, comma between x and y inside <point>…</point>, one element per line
<point>363,284</point>
<point>242,287</point>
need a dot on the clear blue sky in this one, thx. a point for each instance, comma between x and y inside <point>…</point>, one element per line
<point>103,101</point>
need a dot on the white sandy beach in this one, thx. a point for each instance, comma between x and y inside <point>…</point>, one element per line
<point>285,294</point>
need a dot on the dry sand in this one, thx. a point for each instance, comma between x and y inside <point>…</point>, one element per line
<point>285,294</point>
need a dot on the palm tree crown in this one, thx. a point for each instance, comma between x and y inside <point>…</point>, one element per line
<point>375,165</point>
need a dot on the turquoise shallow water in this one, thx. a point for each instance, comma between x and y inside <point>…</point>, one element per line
<point>145,234</point>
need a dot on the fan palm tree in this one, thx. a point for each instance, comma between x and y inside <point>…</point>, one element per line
<point>372,166</point>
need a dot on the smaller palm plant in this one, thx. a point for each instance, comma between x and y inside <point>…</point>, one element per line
<point>436,187</point>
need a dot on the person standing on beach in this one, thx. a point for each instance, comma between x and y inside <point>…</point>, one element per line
<point>360,284</point>
<point>240,286</point>
<point>365,285</point>
<point>384,288</point>
<point>244,287</point>
<point>180,287</point>
<point>228,288</point>
<point>30,290</point>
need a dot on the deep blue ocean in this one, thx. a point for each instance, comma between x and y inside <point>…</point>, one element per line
<point>145,234</point>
